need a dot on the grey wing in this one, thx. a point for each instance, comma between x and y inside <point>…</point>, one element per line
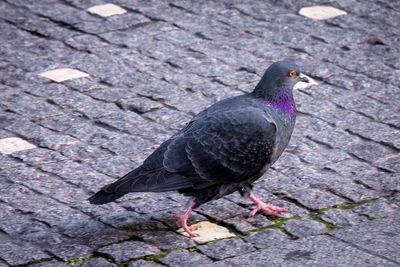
<point>231,146</point>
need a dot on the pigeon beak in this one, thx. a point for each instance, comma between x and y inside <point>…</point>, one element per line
<point>304,79</point>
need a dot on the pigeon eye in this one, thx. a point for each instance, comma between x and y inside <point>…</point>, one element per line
<point>292,73</point>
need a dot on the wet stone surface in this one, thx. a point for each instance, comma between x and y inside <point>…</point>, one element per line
<point>89,89</point>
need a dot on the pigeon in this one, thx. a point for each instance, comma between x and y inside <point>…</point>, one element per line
<point>223,149</point>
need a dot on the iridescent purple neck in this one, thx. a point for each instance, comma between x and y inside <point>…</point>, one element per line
<point>283,101</point>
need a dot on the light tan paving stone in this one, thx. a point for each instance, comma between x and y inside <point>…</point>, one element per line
<point>321,12</point>
<point>64,74</point>
<point>208,232</point>
<point>106,10</point>
<point>13,144</point>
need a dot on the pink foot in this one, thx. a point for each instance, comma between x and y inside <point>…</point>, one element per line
<point>181,220</point>
<point>264,207</point>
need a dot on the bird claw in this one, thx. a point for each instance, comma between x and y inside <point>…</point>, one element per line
<point>181,221</point>
<point>268,209</point>
<point>188,229</point>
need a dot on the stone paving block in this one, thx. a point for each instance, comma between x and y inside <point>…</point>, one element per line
<point>389,163</point>
<point>139,104</point>
<point>20,254</point>
<point>343,186</point>
<point>321,12</point>
<point>68,251</point>
<point>222,249</point>
<point>168,117</point>
<point>128,250</point>
<point>395,199</point>
<point>377,209</point>
<point>13,144</point>
<point>369,151</point>
<point>97,262</point>
<point>342,218</point>
<point>305,227</point>
<point>60,75</point>
<point>106,10</point>
<point>85,153</point>
<point>313,251</point>
<point>104,237</point>
<point>133,124</point>
<point>378,132</point>
<point>38,156</point>
<point>115,166</point>
<point>37,108</point>
<point>111,94</point>
<point>148,202</point>
<point>166,240</point>
<point>221,209</point>
<point>244,223</point>
<point>131,221</point>
<point>78,174</point>
<point>316,199</point>
<point>208,232</point>
<point>378,237</point>
<point>53,263</point>
<point>143,263</point>
<point>266,238</point>
<point>183,257</point>
<point>166,217</point>
<point>276,182</point>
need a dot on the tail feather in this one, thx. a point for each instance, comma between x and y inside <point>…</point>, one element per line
<point>102,197</point>
<point>141,181</point>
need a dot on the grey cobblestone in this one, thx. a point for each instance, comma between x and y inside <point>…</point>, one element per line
<point>128,250</point>
<point>182,257</point>
<point>150,70</point>
<point>219,250</point>
<point>304,227</point>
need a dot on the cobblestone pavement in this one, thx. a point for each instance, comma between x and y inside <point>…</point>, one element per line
<point>153,65</point>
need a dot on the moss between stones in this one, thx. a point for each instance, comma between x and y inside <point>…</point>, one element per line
<point>372,218</point>
<point>120,263</point>
<point>346,206</point>
<point>328,225</point>
<point>155,257</point>
<point>79,260</point>
<point>277,224</point>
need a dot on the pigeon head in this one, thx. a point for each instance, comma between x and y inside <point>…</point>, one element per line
<point>280,77</point>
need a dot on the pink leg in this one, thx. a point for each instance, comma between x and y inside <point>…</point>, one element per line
<point>264,207</point>
<point>181,219</point>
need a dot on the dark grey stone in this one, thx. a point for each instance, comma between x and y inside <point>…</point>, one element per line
<point>97,262</point>
<point>53,263</point>
<point>128,250</point>
<point>182,257</point>
<point>244,223</point>
<point>316,199</point>
<point>377,209</point>
<point>342,218</point>
<point>166,240</point>
<point>143,263</point>
<point>67,251</point>
<point>225,248</point>
<point>305,227</point>
<point>139,104</point>
<point>131,221</point>
<point>313,251</point>
<point>20,253</point>
<point>266,238</point>
<point>221,209</point>
<point>378,237</point>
